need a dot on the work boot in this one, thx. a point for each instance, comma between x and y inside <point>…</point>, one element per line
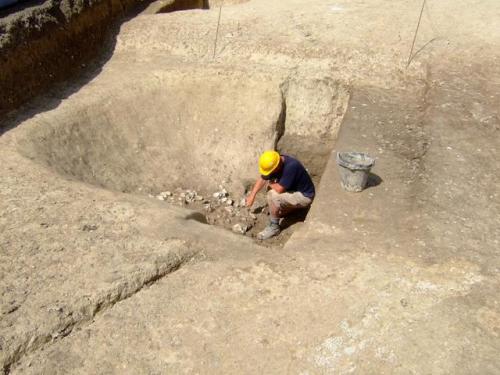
<point>270,231</point>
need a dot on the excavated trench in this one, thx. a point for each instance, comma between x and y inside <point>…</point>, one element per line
<point>193,142</point>
<point>183,132</point>
<point>45,43</point>
<point>193,145</point>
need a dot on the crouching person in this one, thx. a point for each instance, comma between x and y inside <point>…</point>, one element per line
<point>290,188</point>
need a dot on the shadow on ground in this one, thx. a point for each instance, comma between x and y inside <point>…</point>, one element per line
<point>294,218</point>
<point>63,87</point>
<point>373,180</point>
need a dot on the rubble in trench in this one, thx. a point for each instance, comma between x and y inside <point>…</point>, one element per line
<point>220,208</point>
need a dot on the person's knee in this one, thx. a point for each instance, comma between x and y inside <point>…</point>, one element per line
<point>273,203</point>
<point>272,193</point>
<point>273,198</point>
<point>269,195</point>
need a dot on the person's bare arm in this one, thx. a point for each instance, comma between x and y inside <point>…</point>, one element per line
<point>277,187</point>
<point>259,184</point>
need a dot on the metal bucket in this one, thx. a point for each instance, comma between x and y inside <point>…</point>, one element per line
<point>354,168</point>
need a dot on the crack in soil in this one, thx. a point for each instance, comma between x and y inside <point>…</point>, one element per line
<point>85,309</point>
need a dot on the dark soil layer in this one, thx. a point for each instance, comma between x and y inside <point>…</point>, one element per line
<point>41,45</point>
<point>184,5</point>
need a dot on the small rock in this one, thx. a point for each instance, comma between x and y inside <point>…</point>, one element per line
<point>160,197</point>
<point>220,194</point>
<point>229,202</point>
<point>243,202</point>
<point>258,208</point>
<point>89,227</point>
<point>240,228</point>
<point>55,308</point>
<point>12,308</point>
<point>190,196</point>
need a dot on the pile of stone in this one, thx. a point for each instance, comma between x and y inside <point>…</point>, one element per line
<point>220,208</point>
<point>190,196</point>
<point>164,195</point>
<point>181,196</point>
<point>222,196</point>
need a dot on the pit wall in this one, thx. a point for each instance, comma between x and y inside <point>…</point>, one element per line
<point>45,44</point>
<point>192,129</point>
<point>160,132</point>
<point>315,106</point>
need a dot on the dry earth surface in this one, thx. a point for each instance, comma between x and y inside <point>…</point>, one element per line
<point>98,276</point>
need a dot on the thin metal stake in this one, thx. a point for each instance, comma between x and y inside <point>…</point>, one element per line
<point>217,32</point>
<point>416,32</point>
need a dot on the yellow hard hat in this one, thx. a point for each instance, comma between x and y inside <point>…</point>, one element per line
<point>268,162</point>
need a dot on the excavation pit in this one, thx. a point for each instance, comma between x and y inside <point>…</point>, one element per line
<point>223,209</point>
<point>177,133</point>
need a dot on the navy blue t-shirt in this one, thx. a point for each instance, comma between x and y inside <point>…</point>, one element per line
<point>294,177</point>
